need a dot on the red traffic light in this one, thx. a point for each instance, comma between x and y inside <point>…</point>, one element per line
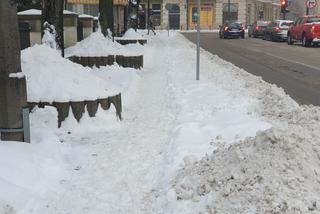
<point>284,3</point>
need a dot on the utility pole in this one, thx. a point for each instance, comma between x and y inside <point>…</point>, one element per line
<point>13,93</point>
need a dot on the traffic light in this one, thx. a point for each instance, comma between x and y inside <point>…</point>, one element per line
<point>284,5</point>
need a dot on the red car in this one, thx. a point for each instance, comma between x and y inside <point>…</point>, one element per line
<point>305,29</point>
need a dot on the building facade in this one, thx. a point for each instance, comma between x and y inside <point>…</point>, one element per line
<point>182,14</point>
<point>91,7</point>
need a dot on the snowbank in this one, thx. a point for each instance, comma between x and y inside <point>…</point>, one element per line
<point>52,78</point>
<point>30,172</point>
<point>275,171</point>
<point>98,45</point>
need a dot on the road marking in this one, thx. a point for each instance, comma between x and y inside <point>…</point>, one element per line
<point>292,61</point>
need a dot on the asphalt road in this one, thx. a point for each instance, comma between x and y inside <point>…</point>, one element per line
<point>294,68</point>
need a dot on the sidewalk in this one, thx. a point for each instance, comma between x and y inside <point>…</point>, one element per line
<point>149,162</point>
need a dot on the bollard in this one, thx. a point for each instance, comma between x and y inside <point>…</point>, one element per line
<point>78,109</point>
<point>63,111</point>
<point>25,126</point>
<point>92,107</point>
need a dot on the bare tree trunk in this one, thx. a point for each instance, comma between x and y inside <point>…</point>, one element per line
<point>13,95</point>
<point>52,13</point>
<point>106,16</point>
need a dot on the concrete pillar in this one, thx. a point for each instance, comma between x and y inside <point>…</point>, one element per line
<point>219,14</point>
<point>242,12</point>
<point>13,95</point>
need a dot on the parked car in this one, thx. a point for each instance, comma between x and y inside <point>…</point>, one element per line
<point>277,30</point>
<point>232,29</point>
<point>256,29</point>
<point>305,29</point>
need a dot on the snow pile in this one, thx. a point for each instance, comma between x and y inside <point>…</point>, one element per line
<point>132,34</point>
<point>275,172</point>
<point>98,45</point>
<point>30,172</point>
<point>52,78</point>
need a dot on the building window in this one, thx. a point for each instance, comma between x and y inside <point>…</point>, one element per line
<point>92,10</point>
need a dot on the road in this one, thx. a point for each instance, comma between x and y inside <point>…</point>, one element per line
<point>294,68</point>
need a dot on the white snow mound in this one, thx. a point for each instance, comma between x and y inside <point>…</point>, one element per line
<point>97,45</point>
<point>275,172</point>
<point>51,77</point>
<point>132,34</point>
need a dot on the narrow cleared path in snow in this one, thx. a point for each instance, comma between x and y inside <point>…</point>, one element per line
<point>168,116</point>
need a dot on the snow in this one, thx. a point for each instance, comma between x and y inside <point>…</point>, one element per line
<point>85,16</point>
<point>35,12</point>
<point>69,12</point>
<point>228,143</point>
<point>30,12</point>
<point>53,78</point>
<point>98,45</point>
<point>131,34</point>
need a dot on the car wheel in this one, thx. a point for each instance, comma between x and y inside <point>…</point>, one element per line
<point>289,40</point>
<point>272,38</point>
<point>305,41</point>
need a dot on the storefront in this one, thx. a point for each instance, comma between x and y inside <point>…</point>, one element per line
<point>207,19</point>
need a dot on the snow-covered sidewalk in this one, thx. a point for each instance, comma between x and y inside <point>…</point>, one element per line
<point>149,162</point>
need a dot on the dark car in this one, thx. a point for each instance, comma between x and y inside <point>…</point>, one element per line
<point>232,29</point>
<point>256,29</point>
<point>277,30</point>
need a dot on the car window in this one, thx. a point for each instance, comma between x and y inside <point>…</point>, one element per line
<point>285,24</point>
<point>262,23</point>
<point>298,21</point>
<point>235,25</point>
<point>314,19</point>
<point>273,24</point>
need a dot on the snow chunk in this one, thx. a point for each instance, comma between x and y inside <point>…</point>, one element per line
<point>53,78</point>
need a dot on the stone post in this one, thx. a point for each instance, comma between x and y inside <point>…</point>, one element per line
<point>13,95</point>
